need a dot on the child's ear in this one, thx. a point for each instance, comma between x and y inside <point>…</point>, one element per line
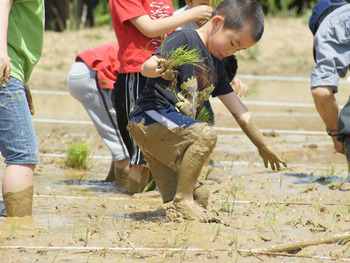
<point>217,21</point>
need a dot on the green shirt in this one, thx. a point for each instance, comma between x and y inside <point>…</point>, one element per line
<point>25,36</point>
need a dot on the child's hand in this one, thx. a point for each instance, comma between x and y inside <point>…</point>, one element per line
<point>168,74</point>
<point>5,70</point>
<point>201,12</point>
<point>165,73</point>
<point>270,156</point>
<point>241,89</point>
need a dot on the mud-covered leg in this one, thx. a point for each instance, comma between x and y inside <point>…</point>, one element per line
<point>201,195</point>
<point>121,177</point>
<point>138,179</point>
<point>17,189</point>
<point>164,177</point>
<point>190,169</point>
<point>110,176</point>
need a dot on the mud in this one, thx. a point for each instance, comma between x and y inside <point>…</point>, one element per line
<point>19,203</point>
<point>77,217</point>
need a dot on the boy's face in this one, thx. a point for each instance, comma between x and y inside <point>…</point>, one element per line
<point>226,42</point>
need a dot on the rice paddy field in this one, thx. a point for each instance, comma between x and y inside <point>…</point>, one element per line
<point>298,214</point>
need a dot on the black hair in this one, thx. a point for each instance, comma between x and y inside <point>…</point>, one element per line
<point>239,13</point>
<point>230,65</point>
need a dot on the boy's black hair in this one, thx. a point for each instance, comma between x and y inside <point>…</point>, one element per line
<point>239,13</point>
<point>230,65</point>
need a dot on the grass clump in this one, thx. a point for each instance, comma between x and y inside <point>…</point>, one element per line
<point>77,155</point>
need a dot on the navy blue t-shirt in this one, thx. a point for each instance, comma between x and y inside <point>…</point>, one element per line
<point>195,83</point>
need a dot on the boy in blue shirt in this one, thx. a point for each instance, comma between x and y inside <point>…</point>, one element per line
<point>163,123</point>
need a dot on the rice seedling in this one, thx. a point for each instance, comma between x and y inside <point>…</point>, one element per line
<point>81,232</point>
<point>14,226</point>
<point>228,205</point>
<point>281,207</point>
<point>208,173</point>
<point>270,217</point>
<point>331,171</point>
<point>148,186</point>
<point>235,239</point>
<point>240,183</point>
<point>217,232</point>
<point>41,231</point>
<point>56,256</point>
<point>295,221</point>
<point>346,211</point>
<point>100,220</point>
<point>77,155</point>
<point>204,115</point>
<point>280,181</point>
<point>225,207</point>
<point>176,238</point>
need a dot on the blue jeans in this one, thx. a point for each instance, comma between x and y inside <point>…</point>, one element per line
<point>18,142</point>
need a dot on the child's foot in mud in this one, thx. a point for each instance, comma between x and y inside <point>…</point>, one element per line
<point>190,210</point>
<point>201,195</point>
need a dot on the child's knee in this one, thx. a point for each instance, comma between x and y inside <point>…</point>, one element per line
<point>322,93</point>
<point>208,137</point>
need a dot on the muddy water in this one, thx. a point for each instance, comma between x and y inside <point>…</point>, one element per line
<point>79,218</point>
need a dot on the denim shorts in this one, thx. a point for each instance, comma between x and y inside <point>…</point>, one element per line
<point>18,142</point>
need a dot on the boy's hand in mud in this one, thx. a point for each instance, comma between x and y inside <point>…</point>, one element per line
<point>5,70</point>
<point>29,99</point>
<point>270,156</point>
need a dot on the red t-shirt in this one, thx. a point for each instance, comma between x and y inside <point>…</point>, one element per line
<point>134,47</point>
<point>103,59</point>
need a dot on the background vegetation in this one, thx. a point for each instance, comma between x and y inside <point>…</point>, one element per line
<point>75,14</point>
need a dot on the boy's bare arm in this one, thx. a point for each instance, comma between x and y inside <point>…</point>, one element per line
<point>157,27</point>
<point>246,122</point>
<point>5,65</point>
<point>151,68</point>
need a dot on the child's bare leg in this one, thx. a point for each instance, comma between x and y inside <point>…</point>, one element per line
<point>17,189</point>
<point>190,169</point>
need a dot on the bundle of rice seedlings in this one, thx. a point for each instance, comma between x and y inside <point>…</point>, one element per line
<point>178,57</point>
<point>77,155</point>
